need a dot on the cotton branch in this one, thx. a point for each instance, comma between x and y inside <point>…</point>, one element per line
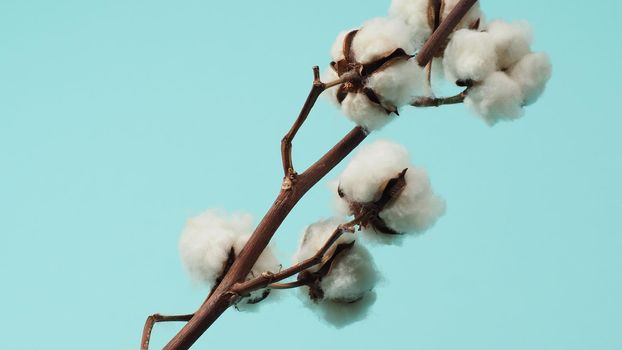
<point>436,102</point>
<point>155,318</point>
<point>222,297</point>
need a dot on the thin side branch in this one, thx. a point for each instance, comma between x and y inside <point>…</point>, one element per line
<point>436,102</point>
<point>267,278</point>
<point>153,319</point>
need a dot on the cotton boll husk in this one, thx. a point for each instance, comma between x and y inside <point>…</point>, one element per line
<point>496,98</point>
<point>358,108</point>
<point>417,208</point>
<point>379,37</point>
<point>365,176</point>
<point>316,235</point>
<point>415,14</point>
<point>351,276</point>
<point>340,315</point>
<point>336,51</point>
<point>511,40</point>
<point>470,55</point>
<point>532,73</point>
<point>398,83</point>
<point>471,16</point>
<point>206,241</point>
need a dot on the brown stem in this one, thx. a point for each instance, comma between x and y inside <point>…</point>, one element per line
<point>435,102</point>
<point>438,37</point>
<point>221,299</point>
<point>153,319</point>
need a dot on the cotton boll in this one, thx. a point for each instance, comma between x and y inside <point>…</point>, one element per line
<point>470,55</point>
<point>532,73</point>
<point>316,235</point>
<point>511,40</point>
<point>379,37</point>
<point>351,276</point>
<point>417,208</point>
<point>206,241</point>
<point>364,178</point>
<point>358,108</point>
<point>398,83</point>
<point>496,98</point>
<point>415,14</point>
<point>472,16</point>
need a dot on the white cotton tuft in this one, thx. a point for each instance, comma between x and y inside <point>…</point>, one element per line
<point>364,177</point>
<point>512,41</point>
<point>496,98</point>
<point>208,239</point>
<point>417,208</point>
<point>329,75</point>
<point>363,180</point>
<point>415,14</point>
<point>531,74</point>
<point>379,37</point>
<point>469,20</point>
<point>352,273</point>
<point>361,110</point>
<point>398,83</point>
<point>470,55</point>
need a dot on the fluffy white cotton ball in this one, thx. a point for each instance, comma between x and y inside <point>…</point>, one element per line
<point>472,16</point>
<point>353,272</point>
<point>470,55</point>
<point>398,83</point>
<point>340,314</point>
<point>364,177</point>
<point>496,98</point>
<point>208,239</point>
<point>417,208</point>
<point>511,40</point>
<point>415,14</point>
<point>379,37</point>
<point>531,74</point>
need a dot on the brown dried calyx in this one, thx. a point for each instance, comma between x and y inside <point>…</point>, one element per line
<point>313,279</point>
<point>358,73</point>
<point>369,213</point>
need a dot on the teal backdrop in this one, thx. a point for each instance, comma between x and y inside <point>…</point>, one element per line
<point>120,119</point>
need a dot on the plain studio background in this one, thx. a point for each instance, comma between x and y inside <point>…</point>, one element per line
<point>120,119</point>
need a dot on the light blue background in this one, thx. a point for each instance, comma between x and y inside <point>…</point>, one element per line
<point>120,119</point>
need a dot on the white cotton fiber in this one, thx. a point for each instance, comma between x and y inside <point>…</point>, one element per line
<point>470,55</point>
<point>531,74</point>
<point>398,83</point>
<point>512,41</point>
<point>336,51</point>
<point>353,272</point>
<point>329,75</point>
<point>365,177</point>
<point>367,173</point>
<point>417,208</point>
<point>379,37</point>
<point>415,14</point>
<point>361,110</point>
<point>496,98</point>
<point>339,314</point>
<point>207,239</point>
